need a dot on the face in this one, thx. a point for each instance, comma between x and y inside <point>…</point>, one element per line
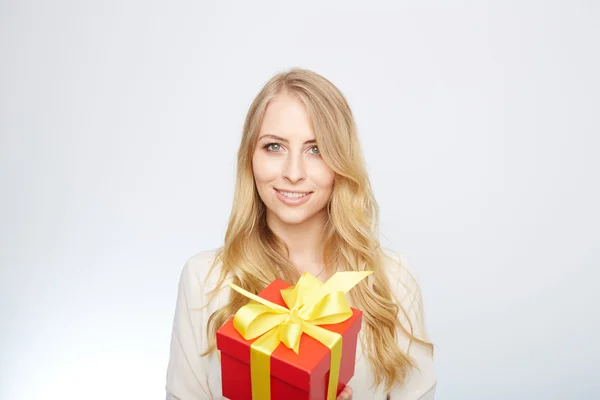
<point>291,177</point>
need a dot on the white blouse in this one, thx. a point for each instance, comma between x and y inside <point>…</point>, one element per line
<point>192,377</point>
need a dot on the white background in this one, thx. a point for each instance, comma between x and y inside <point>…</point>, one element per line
<point>119,127</point>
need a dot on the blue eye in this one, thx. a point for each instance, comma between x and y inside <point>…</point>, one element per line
<point>271,147</point>
<point>317,150</point>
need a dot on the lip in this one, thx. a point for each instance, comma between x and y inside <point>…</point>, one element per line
<point>293,202</point>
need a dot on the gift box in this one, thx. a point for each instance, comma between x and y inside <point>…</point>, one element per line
<point>292,375</point>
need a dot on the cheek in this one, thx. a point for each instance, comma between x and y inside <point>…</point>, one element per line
<point>261,169</point>
<point>324,177</point>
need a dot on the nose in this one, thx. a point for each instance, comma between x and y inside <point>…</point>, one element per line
<point>294,170</point>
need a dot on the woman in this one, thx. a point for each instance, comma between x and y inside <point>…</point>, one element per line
<point>303,203</point>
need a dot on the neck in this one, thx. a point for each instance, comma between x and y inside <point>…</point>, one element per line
<point>304,241</point>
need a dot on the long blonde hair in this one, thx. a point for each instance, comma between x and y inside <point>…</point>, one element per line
<point>350,236</point>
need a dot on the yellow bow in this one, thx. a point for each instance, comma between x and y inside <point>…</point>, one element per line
<point>310,303</point>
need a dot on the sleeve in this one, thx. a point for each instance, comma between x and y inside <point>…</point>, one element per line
<point>420,384</point>
<point>186,372</point>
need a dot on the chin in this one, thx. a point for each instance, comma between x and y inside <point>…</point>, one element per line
<point>291,219</point>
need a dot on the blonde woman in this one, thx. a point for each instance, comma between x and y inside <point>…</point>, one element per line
<point>303,203</point>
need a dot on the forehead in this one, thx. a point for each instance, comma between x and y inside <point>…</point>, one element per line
<point>286,116</point>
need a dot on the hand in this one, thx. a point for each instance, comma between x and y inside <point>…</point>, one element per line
<point>346,394</point>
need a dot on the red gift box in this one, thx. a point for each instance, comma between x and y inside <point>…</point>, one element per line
<point>303,376</point>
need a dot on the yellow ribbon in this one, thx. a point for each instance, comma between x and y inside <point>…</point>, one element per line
<point>310,303</point>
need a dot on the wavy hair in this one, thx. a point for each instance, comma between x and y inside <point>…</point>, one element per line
<point>350,236</point>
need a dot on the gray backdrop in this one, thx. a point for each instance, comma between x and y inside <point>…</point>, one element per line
<point>119,125</point>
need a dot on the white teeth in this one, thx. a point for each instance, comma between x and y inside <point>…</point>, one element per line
<point>293,195</point>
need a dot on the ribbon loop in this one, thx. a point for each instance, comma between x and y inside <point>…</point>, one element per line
<point>330,309</point>
<point>254,320</point>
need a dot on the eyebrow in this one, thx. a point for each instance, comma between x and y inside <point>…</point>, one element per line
<point>283,139</point>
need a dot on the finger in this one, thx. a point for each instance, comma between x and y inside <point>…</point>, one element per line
<point>346,394</point>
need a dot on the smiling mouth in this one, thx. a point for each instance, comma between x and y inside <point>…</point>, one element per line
<point>292,195</point>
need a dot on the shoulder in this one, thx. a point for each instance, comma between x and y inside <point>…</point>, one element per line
<point>198,277</point>
<point>403,277</point>
<point>405,284</point>
<point>200,263</point>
